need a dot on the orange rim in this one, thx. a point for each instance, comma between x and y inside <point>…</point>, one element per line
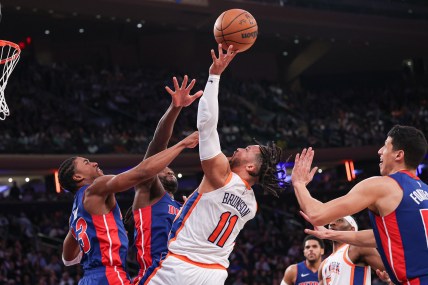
<point>15,53</point>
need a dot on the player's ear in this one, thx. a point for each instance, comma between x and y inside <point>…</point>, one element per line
<point>399,155</point>
<point>322,251</point>
<point>77,177</point>
<point>251,168</point>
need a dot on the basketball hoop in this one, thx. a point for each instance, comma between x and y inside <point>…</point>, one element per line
<point>9,57</point>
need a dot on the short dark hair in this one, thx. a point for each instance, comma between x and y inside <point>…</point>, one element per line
<point>66,172</point>
<point>412,141</point>
<point>311,237</point>
<point>269,175</point>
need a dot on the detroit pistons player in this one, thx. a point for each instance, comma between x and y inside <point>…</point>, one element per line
<point>154,207</point>
<point>397,200</point>
<point>306,272</point>
<point>97,237</point>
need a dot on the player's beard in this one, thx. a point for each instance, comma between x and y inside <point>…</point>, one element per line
<point>170,185</point>
<point>234,163</point>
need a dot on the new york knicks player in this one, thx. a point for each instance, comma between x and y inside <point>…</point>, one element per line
<point>398,204</point>
<point>154,207</point>
<point>348,264</point>
<point>204,232</point>
<point>97,237</point>
<point>306,272</point>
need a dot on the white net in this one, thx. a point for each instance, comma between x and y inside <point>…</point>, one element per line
<point>9,57</point>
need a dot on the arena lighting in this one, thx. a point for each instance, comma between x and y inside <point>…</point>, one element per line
<point>10,180</point>
<point>3,188</point>
<point>284,166</point>
<point>27,179</point>
<point>350,172</point>
<point>179,175</point>
<point>57,187</point>
<point>420,168</point>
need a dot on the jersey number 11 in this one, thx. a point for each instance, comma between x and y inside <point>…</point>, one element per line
<point>225,218</point>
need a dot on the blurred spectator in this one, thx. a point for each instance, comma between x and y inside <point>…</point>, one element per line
<point>15,192</point>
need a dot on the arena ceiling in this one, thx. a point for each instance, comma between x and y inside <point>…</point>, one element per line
<point>356,42</point>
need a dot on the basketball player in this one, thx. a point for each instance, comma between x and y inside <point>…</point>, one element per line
<point>97,237</point>
<point>348,264</point>
<point>398,204</point>
<point>154,207</point>
<point>306,272</point>
<point>204,232</point>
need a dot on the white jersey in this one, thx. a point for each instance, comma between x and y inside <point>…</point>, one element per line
<point>338,269</point>
<point>207,225</point>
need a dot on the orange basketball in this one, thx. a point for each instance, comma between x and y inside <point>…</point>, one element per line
<point>236,27</point>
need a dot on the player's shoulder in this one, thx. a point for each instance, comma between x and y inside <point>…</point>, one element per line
<point>377,182</point>
<point>292,269</point>
<point>98,183</point>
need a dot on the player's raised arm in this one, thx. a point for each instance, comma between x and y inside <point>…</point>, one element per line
<point>361,196</point>
<point>181,97</point>
<point>214,162</point>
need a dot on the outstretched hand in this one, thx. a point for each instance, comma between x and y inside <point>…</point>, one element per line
<point>302,173</point>
<point>191,140</point>
<point>222,61</point>
<point>384,276</point>
<point>181,95</point>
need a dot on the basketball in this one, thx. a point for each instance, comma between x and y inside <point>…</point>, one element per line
<point>236,27</point>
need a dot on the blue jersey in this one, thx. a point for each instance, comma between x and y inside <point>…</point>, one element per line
<point>305,276</point>
<point>402,236</point>
<point>152,226</point>
<point>103,241</point>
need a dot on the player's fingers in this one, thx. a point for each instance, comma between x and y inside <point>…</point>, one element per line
<point>230,50</point>
<point>304,216</point>
<point>184,83</point>
<point>313,171</point>
<point>213,55</point>
<point>169,90</point>
<point>220,50</point>
<point>308,157</point>
<point>191,84</point>
<point>233,54</point>
<point>174,79</point>
<point>310,232</point>
<point>198,94</point>
<point>303,154</point>
<point>296,160</point>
